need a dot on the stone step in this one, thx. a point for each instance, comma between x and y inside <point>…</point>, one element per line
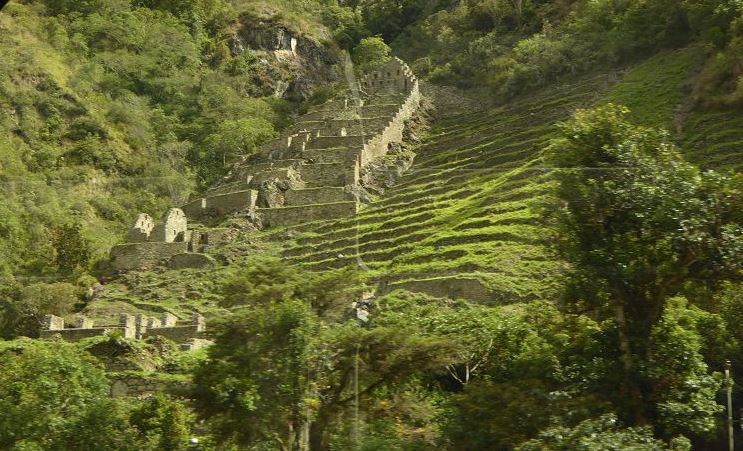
<point>321,195</point>
<point>288,216</point>
<point>346,127</point>
<point>331,142</point>
<point>332,155</point>
<point>327,174</point>
<point>351,113</point>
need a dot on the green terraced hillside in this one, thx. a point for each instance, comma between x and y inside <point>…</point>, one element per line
<point>462,222</point>
<point>714,139</point>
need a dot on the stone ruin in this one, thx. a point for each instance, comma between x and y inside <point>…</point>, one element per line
<point>312,172</point>
<point>148,244</point>
<point>186,333</point>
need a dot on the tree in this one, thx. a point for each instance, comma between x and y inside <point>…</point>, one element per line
<point>73,250</point>
<point>166,422</point>
<point>230,140</point>
<point>54,398</point>
<point>281,372</point>
<point>371,53</point>
<point>638,224</point>
<point>603,433</point>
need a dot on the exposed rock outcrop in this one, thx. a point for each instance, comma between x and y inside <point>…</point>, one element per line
<point>293,64</point>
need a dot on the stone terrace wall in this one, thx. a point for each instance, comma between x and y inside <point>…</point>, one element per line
<point>283,216</point>
<point>138,385</point>
<point>447,287</point>
<point>323,195</point>
<point>221,204</point>
<point>378,146</point>
<point>144,255</point>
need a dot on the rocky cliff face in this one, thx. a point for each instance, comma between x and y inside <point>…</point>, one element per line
<point>290,65</point>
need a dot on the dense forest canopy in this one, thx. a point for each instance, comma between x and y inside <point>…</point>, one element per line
<point>109,108</point>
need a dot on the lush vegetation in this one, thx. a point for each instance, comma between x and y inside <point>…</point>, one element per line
<point>609,247</point>
<point>56,397</point>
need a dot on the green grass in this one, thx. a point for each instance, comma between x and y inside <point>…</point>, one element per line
<point>654,89</point>
<point>714,140</point>
<point>469,206</point>
<point>466,209</point>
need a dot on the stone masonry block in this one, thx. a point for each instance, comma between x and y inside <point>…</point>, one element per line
<point>82,322</point>
<point>53,322</point>
<point>141,230</point>
<point>168,319</point>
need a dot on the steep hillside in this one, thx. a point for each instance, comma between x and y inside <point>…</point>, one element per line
<point>109,108</point>
<point>464,220</point>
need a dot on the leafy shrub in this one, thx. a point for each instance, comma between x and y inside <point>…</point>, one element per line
<point>371,53</point>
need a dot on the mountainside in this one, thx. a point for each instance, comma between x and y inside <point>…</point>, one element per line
<point>464,220</point>
<point>109,109</point>
<point>316,225</point>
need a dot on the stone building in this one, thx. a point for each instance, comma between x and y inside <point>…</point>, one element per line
<point>187,333</point>
<point>312,172</point>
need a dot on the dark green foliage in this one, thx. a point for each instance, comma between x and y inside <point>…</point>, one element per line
<point>109,108</point>
<point>603,433</point>
<point>166,422</point>
<point>370,53</point>
<point>517,45</point>
<point>23,310</point>
<point>72,249</point>
<point>54,396</point>
<point>638,223</point>
<point>272,280</point>
<point>281,370</point>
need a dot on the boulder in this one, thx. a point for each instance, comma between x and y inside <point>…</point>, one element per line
<point>191,260</point>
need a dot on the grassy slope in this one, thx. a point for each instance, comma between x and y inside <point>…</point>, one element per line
<point>468,207</point>
<point>35,69</point>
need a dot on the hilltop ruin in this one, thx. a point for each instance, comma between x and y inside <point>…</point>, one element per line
<point>311,172</point>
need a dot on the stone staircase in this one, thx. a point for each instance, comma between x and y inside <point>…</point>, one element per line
<point>310,173</point>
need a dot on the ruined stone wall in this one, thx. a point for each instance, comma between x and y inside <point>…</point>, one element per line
<point>195,208</point>
<point>323,195</point>
<point>327,174</point>
<point>76,334</point>
<point>221,204</point>
<point>54,326</point>
<point>284,216</point>
<point>147,255</point>
<point>137,385</point>
<point>378,146</point>
<point>447,287</point>
<point>224,204</point>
